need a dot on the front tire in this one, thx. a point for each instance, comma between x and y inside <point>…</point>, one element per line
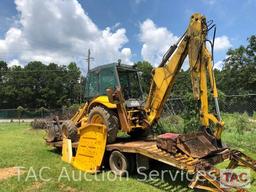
<point>101,115</point>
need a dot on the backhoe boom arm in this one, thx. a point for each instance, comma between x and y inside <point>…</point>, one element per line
<point>193,45</point>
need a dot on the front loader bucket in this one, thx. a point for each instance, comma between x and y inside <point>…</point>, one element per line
<point>91,148</point>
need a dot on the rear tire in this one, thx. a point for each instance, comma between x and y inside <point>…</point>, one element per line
<point>106,117</point>
<point>69,130</point>
<point>53,133</point>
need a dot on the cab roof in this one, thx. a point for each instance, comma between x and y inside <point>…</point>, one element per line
<point>117,65</point>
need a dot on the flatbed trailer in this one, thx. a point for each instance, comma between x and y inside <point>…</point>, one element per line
<point>148,148</point>
<point>145,150</point>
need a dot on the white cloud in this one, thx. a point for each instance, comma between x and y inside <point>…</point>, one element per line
<point>14,62</point>
<point>59,31</point>
<point>222,43</point>
<point>218,64</point>
<point>156,41</point>
<point>126,54</point>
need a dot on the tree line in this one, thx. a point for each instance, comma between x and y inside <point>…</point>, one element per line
<point>52,86</point>
<point>38,85</point>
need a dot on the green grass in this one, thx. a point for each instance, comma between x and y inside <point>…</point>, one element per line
<point>22,146</point>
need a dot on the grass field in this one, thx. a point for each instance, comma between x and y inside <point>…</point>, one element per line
<point>20,146</point>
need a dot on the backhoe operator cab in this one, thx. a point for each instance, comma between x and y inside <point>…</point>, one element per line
<point>112,76</point>
<point>102,83</point>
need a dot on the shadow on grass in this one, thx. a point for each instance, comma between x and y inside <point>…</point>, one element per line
<point>56,150</point>
<point>172,180</point>
<point>165,178</point>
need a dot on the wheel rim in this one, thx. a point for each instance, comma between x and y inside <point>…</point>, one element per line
<point>118,162</point>
<point>98,119</point>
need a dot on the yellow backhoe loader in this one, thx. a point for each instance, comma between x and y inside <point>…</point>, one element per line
<point>115,102</point>
<point>114,96</point>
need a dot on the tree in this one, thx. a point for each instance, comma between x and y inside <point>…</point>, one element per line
<point>73,86</point>
<point>20,111</point>
<point>38,85</point>
<point>3,70</point>
<point>239,72</point>
<point>42,111</point>
<point>3,73</point>
<point>238,76</point>
<point>146,69</point>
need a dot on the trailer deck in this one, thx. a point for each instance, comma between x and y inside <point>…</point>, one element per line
<point>179,160</point>
<point>148,148</point>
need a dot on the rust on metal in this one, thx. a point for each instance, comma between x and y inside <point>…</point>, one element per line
<point>238,158</point>
<point>196,145</point>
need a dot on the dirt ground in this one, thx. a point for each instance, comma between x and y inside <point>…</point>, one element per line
<point>8,172</point>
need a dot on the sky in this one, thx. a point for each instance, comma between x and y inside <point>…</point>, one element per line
<point>62,31</point>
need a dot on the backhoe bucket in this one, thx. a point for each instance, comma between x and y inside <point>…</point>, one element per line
<point>91,148</point>
<point>196,145</point>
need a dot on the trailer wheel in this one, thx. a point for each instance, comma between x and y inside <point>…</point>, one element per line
<point>106,117</point>
<point>121,164</point>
